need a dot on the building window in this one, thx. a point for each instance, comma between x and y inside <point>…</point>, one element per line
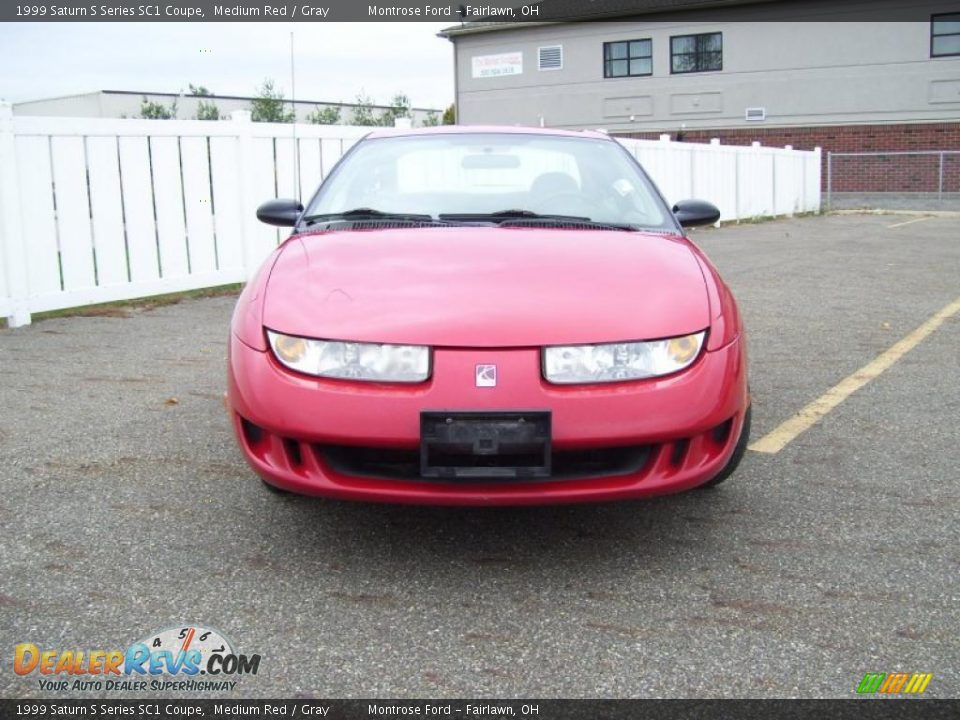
<point>550,58</point>
<point>945,35</point>
<point>696,53</point>
<point>627,58</point>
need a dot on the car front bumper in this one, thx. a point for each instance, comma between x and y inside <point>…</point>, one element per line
<point>683,428</point>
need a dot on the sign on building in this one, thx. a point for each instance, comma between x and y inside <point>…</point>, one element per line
<point>487,66</point>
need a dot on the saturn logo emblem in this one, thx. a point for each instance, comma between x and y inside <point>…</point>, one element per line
<point>486,375</point>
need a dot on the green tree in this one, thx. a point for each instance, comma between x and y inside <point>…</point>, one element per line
<point>150,110</point>
<point>399,108</point>
<point>268,105</point>
<point>329,115</point>
<point>207,111</point>
<point>431,120</point>
<point>450,115</point>
<point>363,112</point>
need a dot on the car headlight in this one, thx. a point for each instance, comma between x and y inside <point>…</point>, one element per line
<point>352,361</point>
<point>612,362</point>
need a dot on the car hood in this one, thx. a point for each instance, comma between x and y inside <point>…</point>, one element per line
<point>486,287</point>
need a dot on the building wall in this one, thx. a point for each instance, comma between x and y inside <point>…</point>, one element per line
<point>801,73</point>
<point>86,105</point>
<point>117,105</point>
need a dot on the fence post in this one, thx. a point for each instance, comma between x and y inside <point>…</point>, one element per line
<point>818,155</point>
<point>793,208</point>
<point>244,129</point>
<point>736,184</point>
<point>829,179</point>
<point>940,181</point>
<point>755,145</point>
<point>12,238</point>
<point>693,171</point>
<point>715,142</point>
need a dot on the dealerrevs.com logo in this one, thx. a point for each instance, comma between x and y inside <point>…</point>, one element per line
<point>894,683</point>
<point>189,658</point>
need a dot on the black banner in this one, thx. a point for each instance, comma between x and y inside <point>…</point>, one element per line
<point>871,709</point>
<point>465,12</point>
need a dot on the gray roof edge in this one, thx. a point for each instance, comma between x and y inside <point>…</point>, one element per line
<point>251,97</point>
<point>599,10</point>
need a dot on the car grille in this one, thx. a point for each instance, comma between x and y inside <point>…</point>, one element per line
<point>405,464</point>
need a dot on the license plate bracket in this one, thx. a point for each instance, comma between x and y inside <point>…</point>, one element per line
<point>485,444</point>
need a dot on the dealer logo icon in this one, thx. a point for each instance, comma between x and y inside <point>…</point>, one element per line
<point>486,375</point>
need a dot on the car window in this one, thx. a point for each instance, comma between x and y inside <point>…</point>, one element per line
<point>480,168</point>
<point>477,173</point>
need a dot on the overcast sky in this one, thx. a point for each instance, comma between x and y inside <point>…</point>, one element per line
<point>334,61</point>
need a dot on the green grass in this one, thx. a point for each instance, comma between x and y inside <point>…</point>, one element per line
<point>123,308</point>
<point>758,219</point>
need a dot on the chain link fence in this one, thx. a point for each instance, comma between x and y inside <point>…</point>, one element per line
<point>915,180</point>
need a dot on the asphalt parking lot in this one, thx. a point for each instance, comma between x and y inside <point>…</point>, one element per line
<point>126,509</point>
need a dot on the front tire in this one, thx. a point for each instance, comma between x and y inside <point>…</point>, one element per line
<point>738,452</point>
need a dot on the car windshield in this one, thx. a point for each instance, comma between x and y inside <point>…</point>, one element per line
<point>491,177</point>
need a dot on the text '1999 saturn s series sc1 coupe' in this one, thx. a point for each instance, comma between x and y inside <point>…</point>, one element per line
<point>488,316</point>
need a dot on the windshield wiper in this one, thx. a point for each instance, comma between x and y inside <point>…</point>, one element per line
<point>519,218</point>
<point>516,217</point>
<point>511,214</point>
<point>360,214</point>
<point>573,224</point>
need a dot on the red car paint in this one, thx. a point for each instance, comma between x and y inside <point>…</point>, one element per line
<point>480,295</point>
<point>490,287</point>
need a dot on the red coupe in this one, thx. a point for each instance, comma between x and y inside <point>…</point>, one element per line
<point>488,316</point>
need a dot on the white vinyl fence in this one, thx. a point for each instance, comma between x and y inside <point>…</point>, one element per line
<point>743,182</point>
<point>96,210</point>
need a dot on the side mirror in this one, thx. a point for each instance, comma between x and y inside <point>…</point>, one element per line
<point>691,213</point>
<point>282,211</point>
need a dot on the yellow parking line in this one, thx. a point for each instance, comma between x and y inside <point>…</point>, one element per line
<point>928,217</point>
<point>776,440</point>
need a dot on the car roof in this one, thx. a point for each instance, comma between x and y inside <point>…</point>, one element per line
<point>477,129</point>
